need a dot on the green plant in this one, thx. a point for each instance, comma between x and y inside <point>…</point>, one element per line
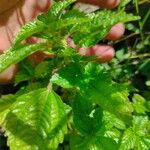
<point>70,98</point>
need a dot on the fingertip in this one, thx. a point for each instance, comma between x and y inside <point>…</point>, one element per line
<point>116,32</point>
<point>110,4</point>
<point>104,53</point>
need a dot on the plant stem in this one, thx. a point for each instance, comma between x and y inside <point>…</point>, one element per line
<point>140,56</point>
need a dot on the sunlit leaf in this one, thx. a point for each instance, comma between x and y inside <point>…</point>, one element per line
<point>36,121</point>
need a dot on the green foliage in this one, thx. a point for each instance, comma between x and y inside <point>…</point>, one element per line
<point>139,104</point>
<point>92,109</point>
<point>28,30</point>
<point>137,137</point>
<point>15,56</point>
<point>58,7</point>
<point>87,120</point>
<point>90,143</point>
<point>37,120</point>
<point>105,93</point>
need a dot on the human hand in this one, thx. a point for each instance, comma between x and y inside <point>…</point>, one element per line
<point>17,13</point>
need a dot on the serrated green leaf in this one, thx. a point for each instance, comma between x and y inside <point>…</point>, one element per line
<point>15,56</point>
<point>56,79</point>
<point>27,31</point>
<point>109,95</point>
<point>36,121</point>
<point>74,13</point>
<point>114,134</point>
<point>5,104</point>
<point>139,104</point>
<point>68,77</point>
<point>63,23</point>
<point>87,119</point>
<point>138,136</point>
<point>90,33</point>
<point>111,121</point>
<point>129,140</point>
<point>59,6</point>
<point>92,143</point>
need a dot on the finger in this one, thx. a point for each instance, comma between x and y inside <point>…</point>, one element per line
<point>116,32</point>
<point>104,53</point>
<point>102,3</point>
<point>8,74</point>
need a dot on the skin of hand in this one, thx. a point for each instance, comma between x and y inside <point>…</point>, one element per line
<point>18,12</point>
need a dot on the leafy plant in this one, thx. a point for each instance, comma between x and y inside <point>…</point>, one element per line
<point>70,97</point>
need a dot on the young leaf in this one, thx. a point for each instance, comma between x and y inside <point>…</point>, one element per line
<point>27,31</point>
<point>139,104</point>
<point>111,121</point>
<point>59,6</point>
<point>138,136</point>
<point>90,33</point>
<point>36,121</point>
<point>15,56</point>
